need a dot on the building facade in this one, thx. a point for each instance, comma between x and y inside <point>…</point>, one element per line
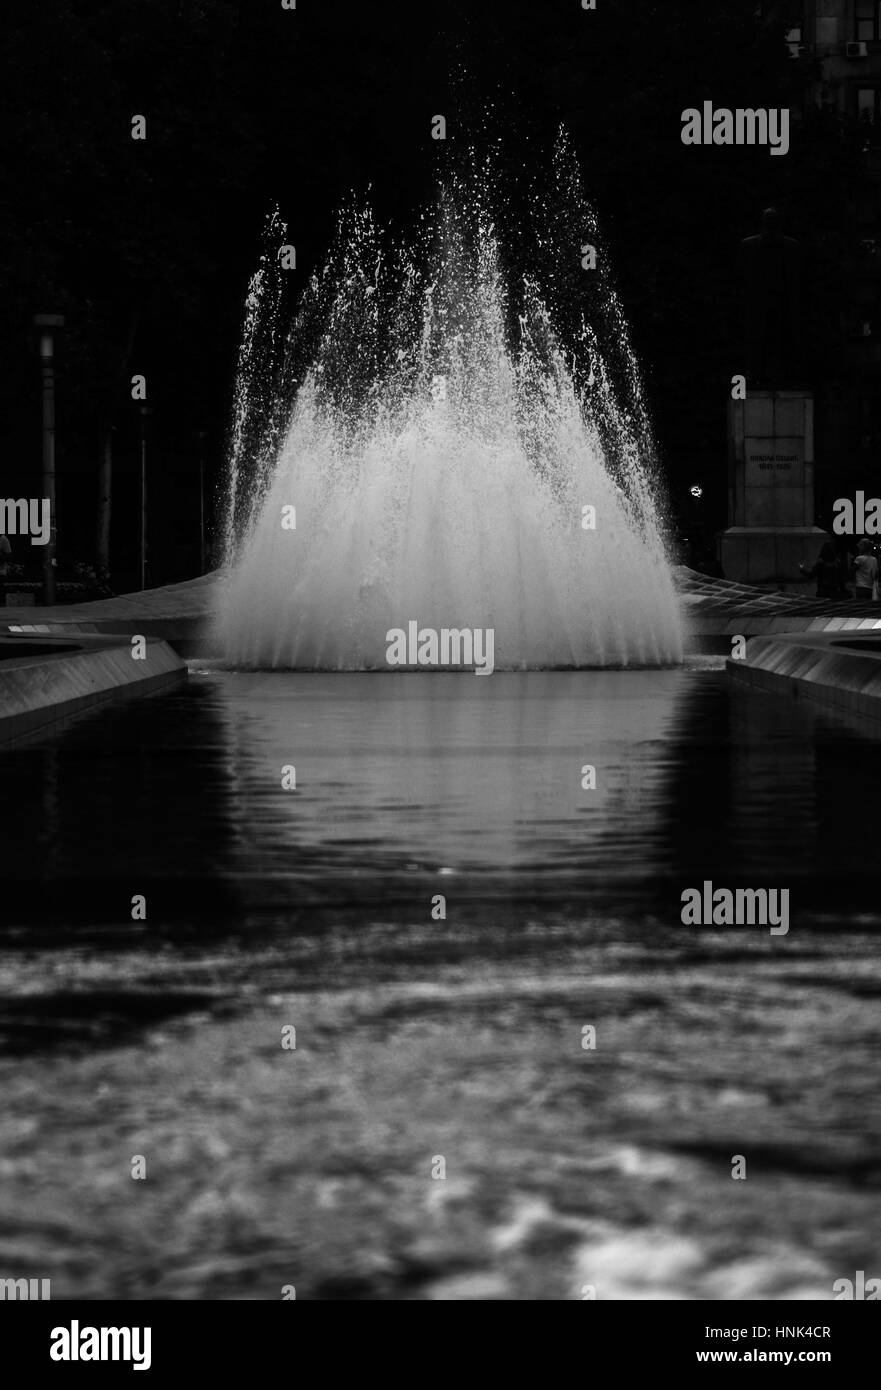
<point>835,46</point>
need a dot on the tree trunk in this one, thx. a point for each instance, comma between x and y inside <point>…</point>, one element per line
<point>105,467</point>
<point>105,501</point>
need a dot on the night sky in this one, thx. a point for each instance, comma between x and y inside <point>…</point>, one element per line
<point>152,243</point>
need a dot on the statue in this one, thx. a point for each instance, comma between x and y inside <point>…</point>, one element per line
<point>771,284</point>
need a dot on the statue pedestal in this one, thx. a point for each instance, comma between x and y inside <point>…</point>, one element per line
<point>770,488</point>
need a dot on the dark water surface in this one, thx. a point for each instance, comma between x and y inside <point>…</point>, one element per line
<point>460,1038</point>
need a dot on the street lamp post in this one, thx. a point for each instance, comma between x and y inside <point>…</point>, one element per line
<point>47,326</point>
<point>144,413</point>
<point>203,435</point>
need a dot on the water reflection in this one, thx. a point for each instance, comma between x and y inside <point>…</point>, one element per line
<point>477,782</point>
<point>413,785</point>
<point>769,794</point>
<point>461,1035</point>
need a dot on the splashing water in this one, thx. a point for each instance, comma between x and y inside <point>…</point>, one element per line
<point>440,446</point>
<point>255,421</point>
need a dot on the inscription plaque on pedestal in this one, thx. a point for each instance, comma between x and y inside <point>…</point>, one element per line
<point>771,433</point>
<point>771,488</point>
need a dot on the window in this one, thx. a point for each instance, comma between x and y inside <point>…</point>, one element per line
<point>868,205</point>
<point>868,20</point>
<point>868,307</point>
<point>795,32</point>
<point>868,103</point>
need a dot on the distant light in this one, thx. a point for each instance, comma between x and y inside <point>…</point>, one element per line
<point>696,490</point>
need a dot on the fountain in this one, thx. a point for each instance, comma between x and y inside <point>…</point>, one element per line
<point>433,442</point>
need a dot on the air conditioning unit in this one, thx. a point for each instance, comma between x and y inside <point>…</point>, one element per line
<point>869,245</point>
<point>856,50</point>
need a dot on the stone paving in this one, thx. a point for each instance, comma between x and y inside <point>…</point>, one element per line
<point>722,607</point>
<point>192,602</point>
<point>712,606</point>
